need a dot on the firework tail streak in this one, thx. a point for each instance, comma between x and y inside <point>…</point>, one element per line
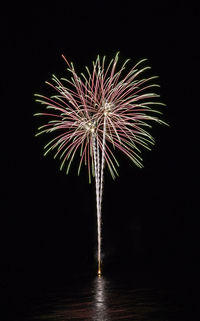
<point>97,113</point>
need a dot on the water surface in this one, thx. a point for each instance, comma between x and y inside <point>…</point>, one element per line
<point>103,299</point>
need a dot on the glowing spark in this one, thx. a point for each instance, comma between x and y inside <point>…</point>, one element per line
<point>99,272</point>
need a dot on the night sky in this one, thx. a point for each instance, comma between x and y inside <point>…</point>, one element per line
<point>150,215</point>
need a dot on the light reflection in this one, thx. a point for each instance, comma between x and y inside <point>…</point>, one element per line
<point>100,300</point>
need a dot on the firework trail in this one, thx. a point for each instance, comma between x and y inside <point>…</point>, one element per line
<point>97,181</point>
<point>97,113</point>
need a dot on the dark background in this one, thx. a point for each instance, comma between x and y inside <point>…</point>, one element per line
<point>150,216</point>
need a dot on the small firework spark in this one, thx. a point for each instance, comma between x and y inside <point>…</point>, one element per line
<point>96,113</point>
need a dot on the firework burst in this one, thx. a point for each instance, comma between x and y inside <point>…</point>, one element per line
<point>96,113</point>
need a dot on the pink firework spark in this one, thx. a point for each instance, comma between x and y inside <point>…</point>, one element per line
<point>82,108</point>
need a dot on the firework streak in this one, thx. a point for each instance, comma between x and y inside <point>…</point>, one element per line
<point>97,113</point>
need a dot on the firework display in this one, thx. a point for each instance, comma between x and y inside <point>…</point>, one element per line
<point>95,113</point>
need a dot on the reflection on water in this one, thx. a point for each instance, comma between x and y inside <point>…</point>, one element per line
<point>100,300</point>
<point>103,300</point>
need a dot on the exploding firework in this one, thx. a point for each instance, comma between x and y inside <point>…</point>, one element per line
<point>96,113</point>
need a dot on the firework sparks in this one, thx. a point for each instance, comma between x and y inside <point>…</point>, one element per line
<point>96,113</point>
